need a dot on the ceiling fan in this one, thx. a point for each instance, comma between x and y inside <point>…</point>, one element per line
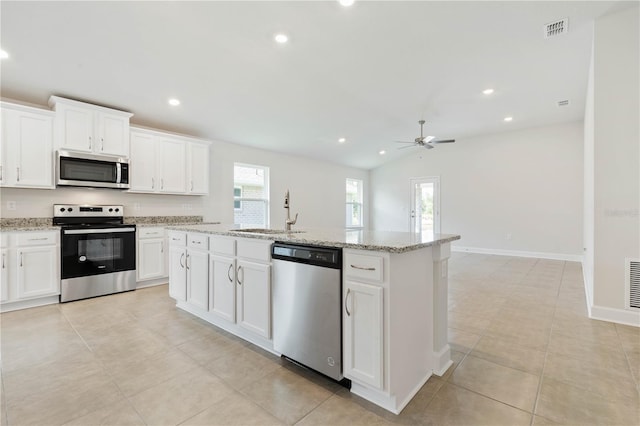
<point>425,141</point>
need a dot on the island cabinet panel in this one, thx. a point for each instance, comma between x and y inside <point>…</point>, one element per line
<point>222,287</point>
<point>151,258</point>
<point>254,297</point>
<point>198,278</point>
<point>363,328</point>
<point>177,266</point>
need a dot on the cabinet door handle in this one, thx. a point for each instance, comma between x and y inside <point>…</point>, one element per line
<point>101,144</point>
<point>38,239</point>
<point>181,257</point>
<point>18,178</point>
<point>3,256</point>
<point>161,183</point>
<point>162,247</point>
<point>362,268</point>
<point>346,307</point>
<point>238,275</point>
<point>153,183</point>
<point>191,186</point>
<point>89,142</point>
<point>0,172</point>
<point>228,272</point>
<point>21,260</point>
<point>187,261</point>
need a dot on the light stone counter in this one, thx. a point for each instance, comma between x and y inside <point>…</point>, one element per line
<point>385,241</point>
<point>28,224</point>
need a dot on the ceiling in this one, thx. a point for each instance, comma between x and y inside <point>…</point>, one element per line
<point>367,73</point>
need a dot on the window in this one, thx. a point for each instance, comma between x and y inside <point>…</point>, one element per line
<point>237,194</point>
<point>250,195</point>
<point>354,203</point>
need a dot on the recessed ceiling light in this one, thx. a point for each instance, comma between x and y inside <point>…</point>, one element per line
<point>174,102</point>
<point>382,152</point>
<point>346,3</point>
<point>281,38</point>
<point>487,91</point>
<point>342,140</point>
<point>3,54</point>
<point>508,118</point>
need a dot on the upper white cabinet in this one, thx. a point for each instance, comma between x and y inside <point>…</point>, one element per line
<point>170,164</point>
<point>26,147</point>
<point>90,128</point>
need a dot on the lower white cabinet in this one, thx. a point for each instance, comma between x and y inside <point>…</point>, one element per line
<point>189,268</point>
<point>222,287</point>
<point>254,297</point>
<point>363,327</point>
<point>150,253</point>
<point>198,278</point>
<point>177,271</point>
<point>30,265</point>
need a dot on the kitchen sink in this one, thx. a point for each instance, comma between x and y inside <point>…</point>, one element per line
<point>266,231</point>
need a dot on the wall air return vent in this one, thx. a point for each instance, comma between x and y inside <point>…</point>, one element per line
<point>556,28</point>
<point>563,103</point>
<point>632,283</point>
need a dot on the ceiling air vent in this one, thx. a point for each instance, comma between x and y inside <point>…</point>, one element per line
<point>632,282</point>
<point>556,28</point>
<point>563,103</point>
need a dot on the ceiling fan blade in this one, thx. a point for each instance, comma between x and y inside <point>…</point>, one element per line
<point>404,147</point>
<point>428,146</point>
<point>404,142</point>
<point>428,139</point>
<point>444,141</point>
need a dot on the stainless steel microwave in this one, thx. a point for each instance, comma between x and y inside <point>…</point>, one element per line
<point>95,171</point>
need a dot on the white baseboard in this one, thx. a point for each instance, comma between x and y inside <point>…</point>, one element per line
<point>620,316</point>
<point>31,303</point>
<point>518,253</point>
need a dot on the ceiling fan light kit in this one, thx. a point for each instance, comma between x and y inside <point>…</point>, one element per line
<point>424,141</point>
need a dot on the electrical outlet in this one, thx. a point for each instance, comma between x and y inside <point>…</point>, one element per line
<point>11,205</point>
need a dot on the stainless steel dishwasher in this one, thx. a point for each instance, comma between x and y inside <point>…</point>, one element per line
<point>307,315</point>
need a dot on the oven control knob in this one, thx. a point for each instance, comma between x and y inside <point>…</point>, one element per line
<point>110,210</point>
<point>62,209</point>
<point>70,209</point>
<point>117,210</point>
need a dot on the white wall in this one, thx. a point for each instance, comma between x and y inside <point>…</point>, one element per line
<point>317,188</point>
<point>524,183</point>
<point>616,156</point>
<point>588,203</point>
<point>317,192</point>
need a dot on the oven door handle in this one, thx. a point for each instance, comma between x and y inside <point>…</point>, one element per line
<point>97,231</point>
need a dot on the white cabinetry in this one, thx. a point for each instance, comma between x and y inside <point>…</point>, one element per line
<point>240,282</point>
<point>30,266</point>
<point>189,268</point>
<point>4,272</point>
<point>151,257</point>
<point>164,163</point>
<point>26,147</point>
<point>90,128</point>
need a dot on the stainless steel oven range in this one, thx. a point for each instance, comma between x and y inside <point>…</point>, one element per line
<point>98,251</point>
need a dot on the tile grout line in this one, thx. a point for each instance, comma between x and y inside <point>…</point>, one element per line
<point>546,351</point>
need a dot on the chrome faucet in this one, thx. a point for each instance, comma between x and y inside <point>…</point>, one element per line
<point>288,222</point>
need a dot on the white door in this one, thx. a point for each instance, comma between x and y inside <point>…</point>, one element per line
<point>143,163</point>
<point>254,297</point>
<point>198,166</point>
<point>150,258</point>
<point>178,273</point>
<point>113,131</point>
<point>362,322</point>
<point>222,287</point>
<point>37,272</point>
<point>75,128</point>
<point>173,174</point>
<point>4,277</point>
<point>198,278</point>
<point>425,205</point>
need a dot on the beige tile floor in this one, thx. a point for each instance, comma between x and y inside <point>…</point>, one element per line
<point>524,352</point>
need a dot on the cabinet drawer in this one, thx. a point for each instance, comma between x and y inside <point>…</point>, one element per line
<point>36,238</point>
<point>151,232</point>
<point>222,245</point>
<point>198,241</point>
<point>254,249</point>
<point>178,238</point>
<point>364,267</point>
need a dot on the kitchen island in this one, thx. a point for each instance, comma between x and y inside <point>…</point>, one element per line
<point>394,292</point>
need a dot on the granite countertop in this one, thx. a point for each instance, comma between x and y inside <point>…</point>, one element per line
<point>46,223</point>
<point>28,224</point>
<point>392,242</point>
